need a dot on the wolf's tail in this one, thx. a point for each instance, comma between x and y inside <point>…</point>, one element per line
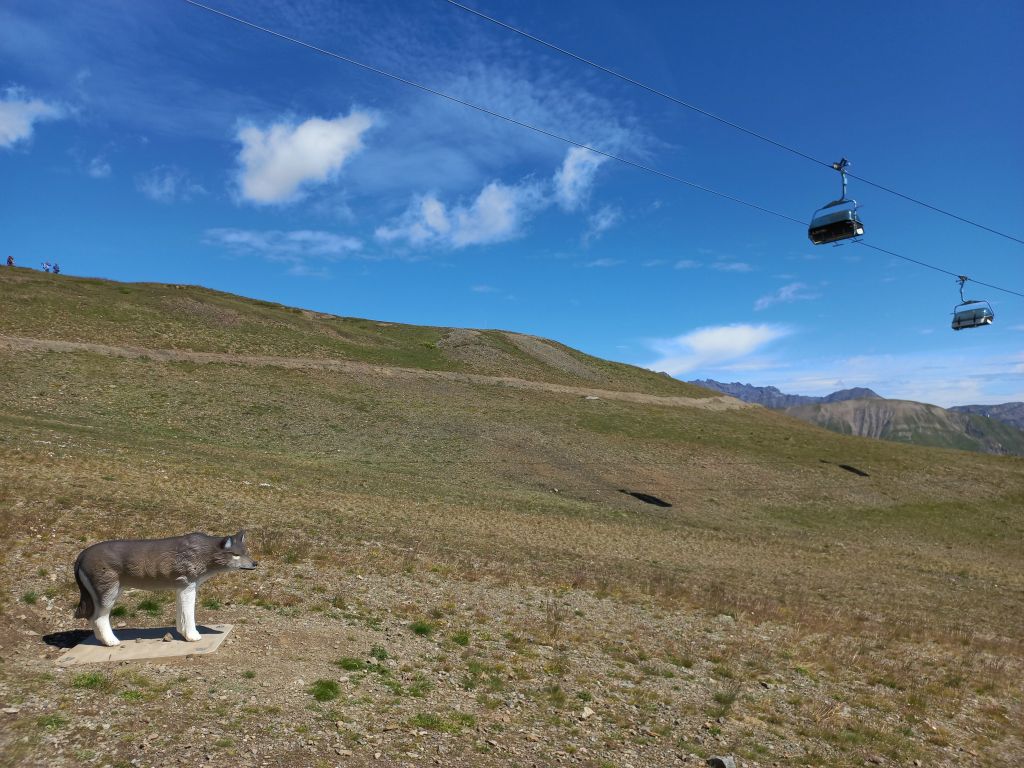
<point>86,608</point>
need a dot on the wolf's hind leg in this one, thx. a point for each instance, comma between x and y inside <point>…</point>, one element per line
<point>187,613</point>
<point>101,621</point>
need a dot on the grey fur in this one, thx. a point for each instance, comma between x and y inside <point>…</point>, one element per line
<point>180,563</point>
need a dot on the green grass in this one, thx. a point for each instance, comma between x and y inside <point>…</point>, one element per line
<point>724,700</point>
<point>450,722</point>
<point>92,680</point>
<point>325,690</point>
<point>30,598</point>
<point>51,722</point>
<point>152,606</point>
<point>422,628</point>
<point>351,664</point>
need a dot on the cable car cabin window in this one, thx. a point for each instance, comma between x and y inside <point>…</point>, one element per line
<point>834,223</point>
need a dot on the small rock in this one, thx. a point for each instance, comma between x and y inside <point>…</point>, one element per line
<point>11,710</point>
<point>586,713</point>
<point>168,637</point>
<point>722,762</point>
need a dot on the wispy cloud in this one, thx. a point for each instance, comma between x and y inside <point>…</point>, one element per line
<point>98,167</point>
<point>278,243</point>
<point>785,295</point>
<point>604,263</point>
<point>305,252</point>
<point>167,184</point>
<point>495,215</point>
<point>712,346</point>
<point>575,177</point>
<point>483,289</point>
<point>686,264</point>
<point>19,115</point>
<point>606,217</point>
<point>277,162</point>
<point>732,266</point>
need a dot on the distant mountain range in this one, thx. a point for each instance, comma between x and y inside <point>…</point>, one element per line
<point>1008,413</point>
<point>986,428</point>
<point>770,397</point>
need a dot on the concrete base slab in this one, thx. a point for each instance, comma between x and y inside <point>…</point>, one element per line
<point>148,643</point>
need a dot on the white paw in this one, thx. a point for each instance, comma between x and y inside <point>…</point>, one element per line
<point>193,636</point>
<point>110,642</point>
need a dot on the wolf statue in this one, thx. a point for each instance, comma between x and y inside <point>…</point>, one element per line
<point>180,563</point>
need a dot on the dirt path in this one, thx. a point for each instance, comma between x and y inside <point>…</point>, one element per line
<point>23,344</point>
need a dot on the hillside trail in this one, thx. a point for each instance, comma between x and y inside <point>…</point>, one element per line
<point>26,344</point>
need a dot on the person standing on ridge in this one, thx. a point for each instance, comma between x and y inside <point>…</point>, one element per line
<point>10,261</point>
<point>56,268</point>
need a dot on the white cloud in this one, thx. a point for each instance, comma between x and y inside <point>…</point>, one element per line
<point>19,114</point>
<point>304,251</point>
<point>98,168</point>
<point>713,345</point>
<point>732,266</point>
<point>687,264</point>
<point>575,178</point>
<point>785,295</point>
<point>483,289</point>
<point>167,183</point>
<point>600,222</point>
<point>604,263</point>
<point>281,245</point>
<point>276,162</point>
<point>495,215</point>
<point>499,211</point>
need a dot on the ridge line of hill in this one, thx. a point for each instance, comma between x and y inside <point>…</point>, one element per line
<point>27,344</point>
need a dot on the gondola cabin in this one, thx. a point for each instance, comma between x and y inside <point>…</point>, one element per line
<point>972,314</point>
<point>836,221</point>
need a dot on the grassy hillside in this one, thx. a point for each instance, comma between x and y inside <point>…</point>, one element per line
<point>456,555</point>
<point>918,423</point>
<point>178,317</point>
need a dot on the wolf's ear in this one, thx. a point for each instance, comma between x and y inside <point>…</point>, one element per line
<point>226,544</point>
<point>241,536</point>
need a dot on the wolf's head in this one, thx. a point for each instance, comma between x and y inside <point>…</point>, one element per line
<point>232,553</point>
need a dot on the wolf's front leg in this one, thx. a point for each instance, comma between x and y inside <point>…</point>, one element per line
<point>101,620</point>
<point>187,613</point>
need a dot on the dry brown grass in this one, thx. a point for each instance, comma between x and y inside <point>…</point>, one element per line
<point>836,617</point>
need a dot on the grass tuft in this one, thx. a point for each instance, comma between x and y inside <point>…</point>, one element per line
<point>325,690</point>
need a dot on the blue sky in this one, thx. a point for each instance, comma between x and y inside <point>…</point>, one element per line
<point>153,141</point>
